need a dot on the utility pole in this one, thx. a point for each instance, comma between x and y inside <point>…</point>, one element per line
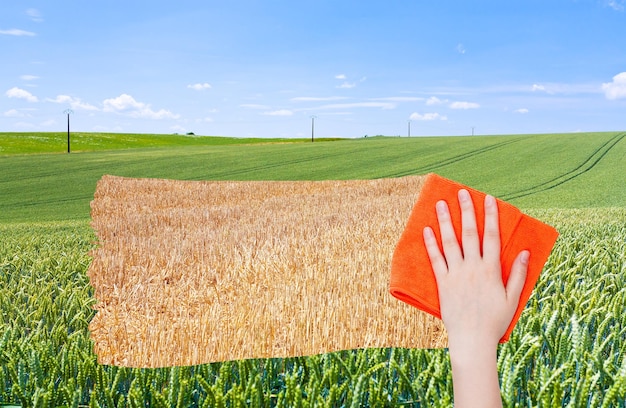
<point>409,128</point>
<point>68,112</point>
<point>472,130</point>
<point>313,128</point>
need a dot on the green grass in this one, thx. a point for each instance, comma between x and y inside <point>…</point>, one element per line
<point>532,171</point>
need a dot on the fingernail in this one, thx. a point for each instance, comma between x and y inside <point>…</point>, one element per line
<point>442,207</point>
<point>428,232</point>
<point>464,195</point>
<point>489,200</point>
<point>524,256</point>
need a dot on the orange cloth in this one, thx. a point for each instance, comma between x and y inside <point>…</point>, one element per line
<point>412,277</point>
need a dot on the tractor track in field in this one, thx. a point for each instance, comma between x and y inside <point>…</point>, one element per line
<point>582,168</point>
<point>33,203</point>
<point>430,167</point>
<point>418,170</point>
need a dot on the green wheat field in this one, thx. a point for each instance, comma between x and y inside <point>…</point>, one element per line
<point>568,349</point>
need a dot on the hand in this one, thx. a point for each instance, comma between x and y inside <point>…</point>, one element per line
<point>473,299</point>
<point>476,307</point>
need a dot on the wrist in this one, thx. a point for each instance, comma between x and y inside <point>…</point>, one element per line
<point>474,372</point>
<point>471,351</point>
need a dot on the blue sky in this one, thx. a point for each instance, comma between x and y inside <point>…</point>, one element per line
<point>265,68</point>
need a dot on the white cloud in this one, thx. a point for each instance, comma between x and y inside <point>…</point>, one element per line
<point>127,105</point>
<point>381,105</point>
<point>21,94</point>
<point>566,88</point>
<point>433,100</point>
<point>521,110</point>
<point>427,116</point>
<point>14,113</point>
<point>29,77</point>
<point>75,103</point>
<point>617,5</point>
<point>464,105</point>
<point>460,48</point>
<point>199,87</point>
<point>34,15</point>
<point>61,99</point>
<point>282,112</point>
<point>253,106</point>
<point>338,113</point>
<point>399,99</point>
<point>122,102</point>
<point>346,85</point>
<point>317,99</point>
<point>617,88</point>
<point>18,33</point>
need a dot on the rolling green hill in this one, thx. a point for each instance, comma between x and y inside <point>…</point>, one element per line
<point>532,171</point>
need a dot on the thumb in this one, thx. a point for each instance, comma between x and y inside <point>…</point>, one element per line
<point>517,278</point>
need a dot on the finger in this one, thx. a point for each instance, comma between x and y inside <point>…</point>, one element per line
<point>491,237</point>
<point>469,232</point>
<point>449,242</point>
<point>517,278</point>
<point>437,260</point>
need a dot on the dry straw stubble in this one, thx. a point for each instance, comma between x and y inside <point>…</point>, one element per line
<point>190,272</point>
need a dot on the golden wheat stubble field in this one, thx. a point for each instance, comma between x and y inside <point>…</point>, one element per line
<point>190,272</point>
